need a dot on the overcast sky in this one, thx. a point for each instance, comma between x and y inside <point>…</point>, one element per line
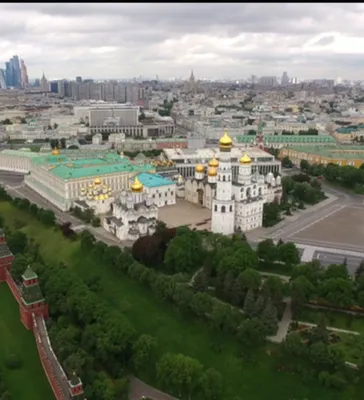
<point>215,40</point>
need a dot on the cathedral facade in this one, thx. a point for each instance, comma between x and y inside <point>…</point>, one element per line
<point>134,214</point>
<point>235,205</point>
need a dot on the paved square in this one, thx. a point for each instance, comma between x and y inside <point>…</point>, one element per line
<point>185,213</point>
<point>344,227</point>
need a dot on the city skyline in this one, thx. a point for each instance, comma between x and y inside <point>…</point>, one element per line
<point>215,40</point>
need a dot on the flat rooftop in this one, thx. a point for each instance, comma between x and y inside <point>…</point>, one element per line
<point>343,152</point>
<point>153,180</point>
<point>65,167</point>
<point>205,154</point>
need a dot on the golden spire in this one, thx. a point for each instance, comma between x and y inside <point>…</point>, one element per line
<point>213,163</point>
<point>226,141</point>
<point>245,159</point>
<point>55,151</point>
<point>136,186</point>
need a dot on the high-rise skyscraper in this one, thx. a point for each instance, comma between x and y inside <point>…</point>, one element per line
<point>285,79</point>
<point>17,72</point>
<point>2,79</point>
<point>24,75</point>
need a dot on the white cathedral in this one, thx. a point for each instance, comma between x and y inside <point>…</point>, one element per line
<point>236,206</point>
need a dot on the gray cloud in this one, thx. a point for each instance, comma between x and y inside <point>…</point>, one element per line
<point>111,40</point>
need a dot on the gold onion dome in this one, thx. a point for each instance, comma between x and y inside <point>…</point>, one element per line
<point>213,163</point>
<point>102,197</point>
<point>199,168</point>
<point>97,181</point>
<point>55,151</point>
<point>245,159</point>
<point>226,142</point>
<point>212,171</point>
<point>136,186</point>
<point>96,198</point>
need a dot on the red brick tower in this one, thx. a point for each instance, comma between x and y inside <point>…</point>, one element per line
<point>32,300</point>
<point>6,257</point>
<point>76,389</point>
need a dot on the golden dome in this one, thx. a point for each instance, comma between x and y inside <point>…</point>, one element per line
<point>55,151</point>
<point>245,159</point>
<point>136,186</point>
<point>212,171</point>
<point>97,181</point>
<point>199,168</point>
<point>96,198</point>
<point>213,163</point>
<point>83,190</point>
<point>102,197</point>
<point>226,142</point>
<point>106,196</point>
<point>90,185</point>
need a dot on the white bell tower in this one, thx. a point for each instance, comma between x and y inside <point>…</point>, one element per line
<point>223,205</point>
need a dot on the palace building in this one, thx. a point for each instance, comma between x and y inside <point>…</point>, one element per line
<point>60,178</point>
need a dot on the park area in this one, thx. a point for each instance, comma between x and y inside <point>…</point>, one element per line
<point>243,376</point>
<point>26,379</point>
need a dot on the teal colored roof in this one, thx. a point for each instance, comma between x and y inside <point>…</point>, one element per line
<point>153,180</point>
<point>349,129</point>
<point>245,138</point>
<point>65,167</point>
<point>20,153</point>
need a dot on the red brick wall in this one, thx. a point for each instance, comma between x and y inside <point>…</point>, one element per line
<point>171,145</point>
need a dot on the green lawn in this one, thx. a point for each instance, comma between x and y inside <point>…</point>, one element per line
<point>335,319</point>
<point>254,380</point>
<point>28,382</point>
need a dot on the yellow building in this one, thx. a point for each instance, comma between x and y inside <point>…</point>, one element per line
<point>348,155</point>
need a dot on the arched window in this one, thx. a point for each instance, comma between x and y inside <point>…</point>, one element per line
<point>223,209</point>
<point>231,208</point>
<point>215,207</point>
<point>260,191</point>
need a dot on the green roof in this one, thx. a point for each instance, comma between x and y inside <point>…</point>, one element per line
<point>349,129</point>
<point>29,274</point>
<point>66,167</point>
<point>334,152</point>
<point>20,153</point>
<point>288,139</point>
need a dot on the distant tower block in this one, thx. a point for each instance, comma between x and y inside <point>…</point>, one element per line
<point>32,300</point>
<point>76,389</point>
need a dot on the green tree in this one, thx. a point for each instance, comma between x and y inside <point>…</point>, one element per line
<point>267,250</point>
<point>251,332</point>
<point>269,318</point>
<point>259,306</point>
<point>249,303</point>
<point>289,254</point>
<point>201,281</point>
<point>250,279</point>
<point>211,384</point>
<point>293,344</point>
<point>304,165</point>
<point>17,242</point>
<point>18,267</point>
<point>336,271</point>
<point>273,288</point>
<point>143,351</point>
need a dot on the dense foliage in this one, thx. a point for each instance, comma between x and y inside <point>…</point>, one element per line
<point>206,276</point>
<point>4,394</point>
<point>347,176</point>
